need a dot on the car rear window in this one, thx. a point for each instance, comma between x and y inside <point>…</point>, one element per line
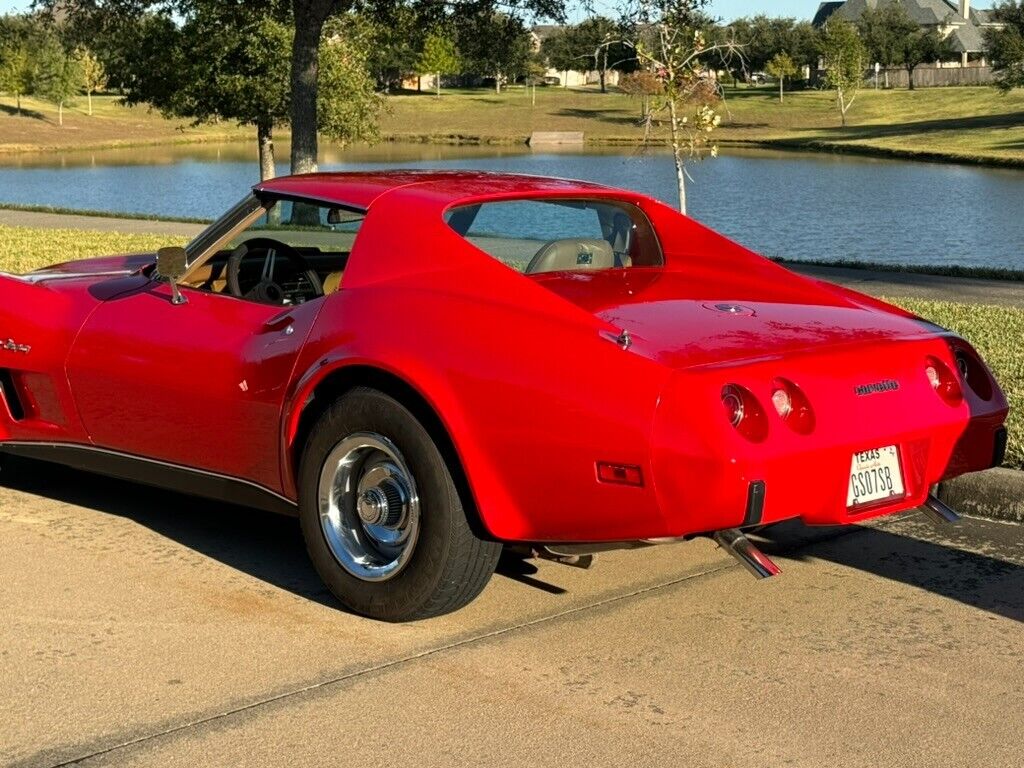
<point>536,236</point>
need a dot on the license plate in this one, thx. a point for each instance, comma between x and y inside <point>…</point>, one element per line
<point>875,475</point>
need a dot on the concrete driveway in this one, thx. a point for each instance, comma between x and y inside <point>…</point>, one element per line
<point>144,628</point>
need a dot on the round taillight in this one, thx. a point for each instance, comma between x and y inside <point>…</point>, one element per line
<point>973,373</point>
<point>943,381</point>
<point>744,412</point>
<point>792,406</point>
<point>732,400</point>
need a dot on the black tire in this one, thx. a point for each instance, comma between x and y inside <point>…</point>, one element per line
<point>448,566</point>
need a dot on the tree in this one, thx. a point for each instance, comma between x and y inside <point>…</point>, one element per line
<point>781,66</point>
<point>439,56</point>
<point>845,62</point>
<point>94,76</point>
<point>674,46</point>
<point>349,108</point>
<point>495,44</point>
<point>1005,45</point>
<point>642,83</point>
<point>597,41</point>
<point>763,37</point>
<point>535,71</point>
<point>17,42</point>
<point>58,76</point>
<point>557,49</point>
<point>921,46</point>
<point>884,31</point>
<point>223,63</point>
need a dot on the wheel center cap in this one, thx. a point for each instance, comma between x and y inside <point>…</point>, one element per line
<point>381,505</point>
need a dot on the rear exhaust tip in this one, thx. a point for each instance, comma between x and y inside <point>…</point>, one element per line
<point>743,549</point>
<point>939,512</point>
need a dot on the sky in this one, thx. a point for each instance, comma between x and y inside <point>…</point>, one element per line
<point>726,9</point>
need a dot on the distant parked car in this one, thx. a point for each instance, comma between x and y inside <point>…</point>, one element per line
<point>758,78</point>
<point>426,366</point>
<point>552,80</point>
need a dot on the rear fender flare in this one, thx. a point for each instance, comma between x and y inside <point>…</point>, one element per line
<point>431,401</point>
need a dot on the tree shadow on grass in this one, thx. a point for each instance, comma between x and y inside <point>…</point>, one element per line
<point>11,110</point>
<point>611,116</point>
<point>981,581</point>
<point>872,131</point>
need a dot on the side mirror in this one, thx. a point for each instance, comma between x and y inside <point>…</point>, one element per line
<point>171,265</point>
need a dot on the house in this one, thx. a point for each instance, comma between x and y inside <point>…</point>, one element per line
<point>959,23</point>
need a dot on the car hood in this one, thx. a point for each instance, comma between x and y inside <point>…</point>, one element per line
<point>683,322</point>
<point>103,265</point>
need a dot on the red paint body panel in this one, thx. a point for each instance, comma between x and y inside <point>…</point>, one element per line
<point>522,371</point>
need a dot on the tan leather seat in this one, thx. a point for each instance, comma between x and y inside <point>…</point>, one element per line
<point>332,283</point>
<point>564,255</point>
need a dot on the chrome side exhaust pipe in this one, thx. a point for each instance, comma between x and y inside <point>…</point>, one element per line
<point>743,549</point>
<point>939,512</point>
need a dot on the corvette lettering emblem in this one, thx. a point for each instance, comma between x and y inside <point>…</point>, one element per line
<point>889,385</point>
<point>12,346</point>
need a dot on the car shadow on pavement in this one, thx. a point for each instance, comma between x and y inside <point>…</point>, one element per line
<point>983,581</point>
<point>261,544</point>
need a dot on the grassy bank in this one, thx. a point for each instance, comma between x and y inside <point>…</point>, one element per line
<point>111,125</point>
<point>994,331</point>
<point>958,124</point>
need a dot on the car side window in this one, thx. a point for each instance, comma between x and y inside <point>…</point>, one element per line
<point>535,236</point>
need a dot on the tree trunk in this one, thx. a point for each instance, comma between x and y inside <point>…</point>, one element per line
<point>887,78</point>
<point>310,16</point>
<point>781,82</point>
<point>534,89</point>
<point>60,113</point>
<point>565,83</point>
<point>88,96</point>
<point>842,107</point>
<point>604,70</point>
<point>265,139</point>
<point>497,82</point>
<point>437,83</point>
<point>910,78</point>
<point>677,156</point>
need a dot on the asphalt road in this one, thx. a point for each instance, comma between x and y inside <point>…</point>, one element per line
<point>145,628</point>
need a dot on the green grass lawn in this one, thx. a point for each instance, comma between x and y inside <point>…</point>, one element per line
<point>962,123</point>
<point>995,331</point>
<point>26,248</point>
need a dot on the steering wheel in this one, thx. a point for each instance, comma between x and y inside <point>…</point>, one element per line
<point>267,290</point>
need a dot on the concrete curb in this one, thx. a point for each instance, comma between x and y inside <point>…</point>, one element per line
<point>996,494</point>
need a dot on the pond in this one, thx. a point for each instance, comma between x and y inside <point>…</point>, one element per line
<point>797,205</point>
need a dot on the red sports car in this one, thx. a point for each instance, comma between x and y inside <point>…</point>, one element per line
<point>424,367</point>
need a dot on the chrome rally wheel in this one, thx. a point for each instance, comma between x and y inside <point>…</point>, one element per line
<point>384,523</point>
<point>369,507</point>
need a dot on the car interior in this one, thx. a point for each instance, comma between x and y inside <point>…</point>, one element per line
<point>294,253</point>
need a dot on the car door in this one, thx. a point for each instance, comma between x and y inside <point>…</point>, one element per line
<point>200,384</point>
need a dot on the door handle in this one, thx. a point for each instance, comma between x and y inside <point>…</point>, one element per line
<point>283,322</point>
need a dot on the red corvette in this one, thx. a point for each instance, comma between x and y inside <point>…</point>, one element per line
<point>426,366</point>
